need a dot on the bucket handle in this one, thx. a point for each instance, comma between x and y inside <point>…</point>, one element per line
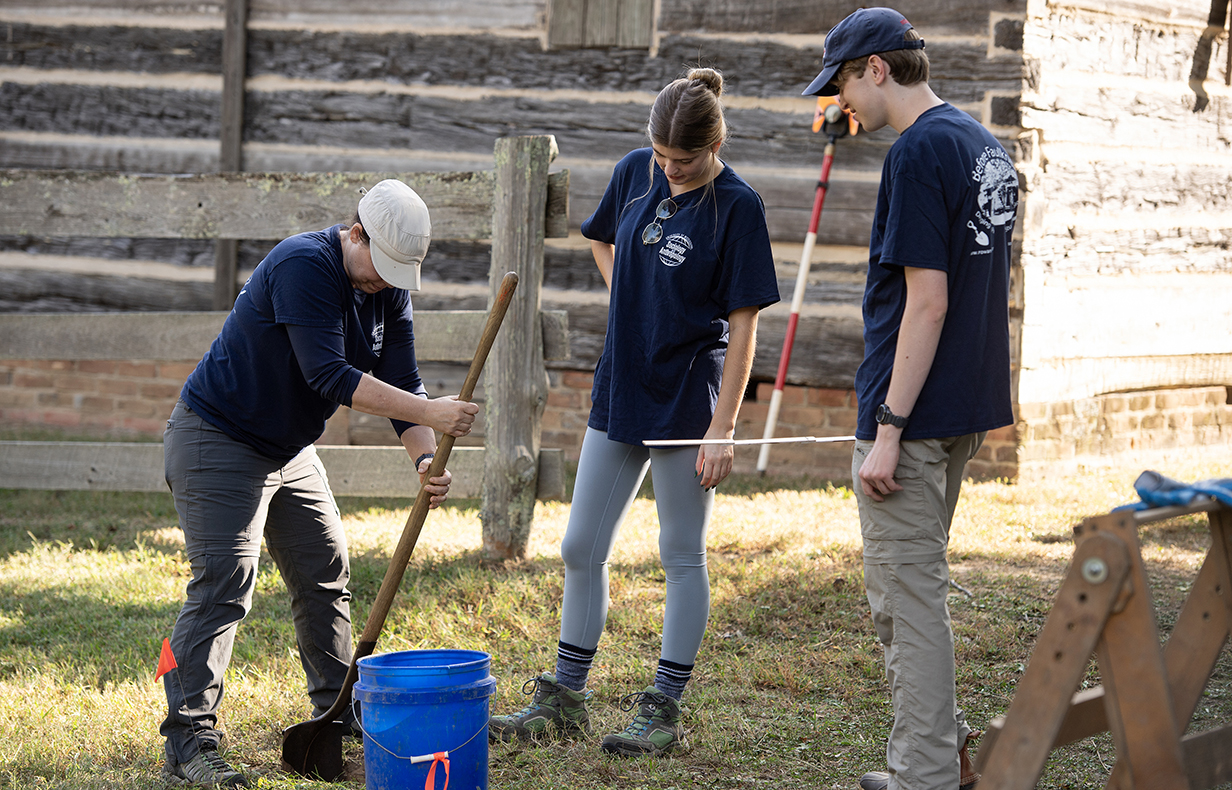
<point>437,757</point>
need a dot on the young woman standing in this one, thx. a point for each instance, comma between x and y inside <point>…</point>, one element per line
<point>681,241</point>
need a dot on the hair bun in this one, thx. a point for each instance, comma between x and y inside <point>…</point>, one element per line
<point>709,77</point>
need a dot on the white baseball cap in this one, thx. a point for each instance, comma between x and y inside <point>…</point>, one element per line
<point>396,220</point>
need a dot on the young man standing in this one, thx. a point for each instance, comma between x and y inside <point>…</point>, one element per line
<point>936,371</point>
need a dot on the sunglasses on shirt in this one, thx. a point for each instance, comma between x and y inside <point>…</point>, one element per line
<point>654,231</point>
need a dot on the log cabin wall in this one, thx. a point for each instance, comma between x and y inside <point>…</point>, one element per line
<point>134,85</point>
<point>1127,328</point>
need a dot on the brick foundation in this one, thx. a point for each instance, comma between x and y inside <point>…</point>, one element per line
<point>132,399</point>
<point>1122,423</point>
<point>103,399</point>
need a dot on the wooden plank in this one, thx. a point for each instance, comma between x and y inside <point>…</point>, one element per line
<point>486,14</point>
<point>1085,717</point>
<point>1088,177</point>
<point>1057,663</point>
<point>1208,757</point>
<point>1129,45</point>
<point>1193,647</point>
<point>234,48</point>
<point>231,138</point>
<point>779,135</point>
<point>556,220</point>
<point>762,67</point>
<point>601,26</point>
<point>787,193</point>
<point>1060,379</point>
<point>818,16</point>
<point>635,23</point>
<point>226,256</point>
<point>1137,698</point>
<point>566,23</point>
<point>829,342</point>
<point>353,471</point>
<point>224,205</point>
<point>1128,314</point>
<point>1082,111</point>
<point>517,383</point>
<point>442,336</point>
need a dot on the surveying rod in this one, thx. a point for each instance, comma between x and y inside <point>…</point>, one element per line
<point>830,118</point>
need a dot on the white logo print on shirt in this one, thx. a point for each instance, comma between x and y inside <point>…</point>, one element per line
<point>674,249</point>
<point>378,338</point>
<point>998,193</point>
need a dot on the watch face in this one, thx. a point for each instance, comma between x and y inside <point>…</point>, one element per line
<point>887,417</point>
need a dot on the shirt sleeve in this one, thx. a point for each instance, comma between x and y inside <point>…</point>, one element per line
<point>601,226</point>
<point>320,354</point>
<point>304,290</point>
<point>398,366</point>
<point>748,277</point>
<point>917,226</point>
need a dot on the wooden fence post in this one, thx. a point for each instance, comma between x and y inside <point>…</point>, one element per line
<point>231,138</point>
<point>517,384</point>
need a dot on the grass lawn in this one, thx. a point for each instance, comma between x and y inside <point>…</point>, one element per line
<point>788,693</point>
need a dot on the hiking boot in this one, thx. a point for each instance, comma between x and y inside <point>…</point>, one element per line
<point>656,728</point>
<point>207,769</point>
<point>880,780</point>
<point>554,710</point>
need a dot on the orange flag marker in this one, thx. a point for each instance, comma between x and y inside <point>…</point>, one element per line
<point>166,660</point>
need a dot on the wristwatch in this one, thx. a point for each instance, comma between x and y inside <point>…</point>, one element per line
<point>886,417</point>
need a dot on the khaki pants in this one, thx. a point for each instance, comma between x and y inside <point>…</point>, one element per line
<point>907,578</point>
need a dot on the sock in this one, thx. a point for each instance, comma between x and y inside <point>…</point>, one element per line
<point>672,678</point>
<point>573,665</point>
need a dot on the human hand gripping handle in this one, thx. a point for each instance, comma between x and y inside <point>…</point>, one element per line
<point>453,415</point>
<point>315,747</point>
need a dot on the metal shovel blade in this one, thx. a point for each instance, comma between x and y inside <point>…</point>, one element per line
<point>314,748</point>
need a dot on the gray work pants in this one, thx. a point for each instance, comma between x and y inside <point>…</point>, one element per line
<point>907,577</point>
<point>228,496</point>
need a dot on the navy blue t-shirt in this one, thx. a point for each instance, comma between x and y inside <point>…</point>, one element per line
<point>662,362</point>
<point>295,346</point>
<point>948,199</point>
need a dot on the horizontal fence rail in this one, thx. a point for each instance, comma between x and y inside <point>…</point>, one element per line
<point>242,205</point>
<point>440,335</point>
<point>353,471</point>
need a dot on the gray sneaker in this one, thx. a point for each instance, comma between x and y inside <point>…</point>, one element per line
<point>656,728</point>
<point>554,710</point>
<point>207,769</point>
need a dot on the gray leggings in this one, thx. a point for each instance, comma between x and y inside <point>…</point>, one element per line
<point>609,475</point>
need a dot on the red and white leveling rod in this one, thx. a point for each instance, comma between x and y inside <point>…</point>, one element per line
<point>830,118</point>
<point>778,440</point>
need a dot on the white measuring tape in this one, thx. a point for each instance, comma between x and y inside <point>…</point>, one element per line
<point>779,440</point>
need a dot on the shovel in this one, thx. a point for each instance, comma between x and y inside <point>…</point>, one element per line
<point>314,748</point>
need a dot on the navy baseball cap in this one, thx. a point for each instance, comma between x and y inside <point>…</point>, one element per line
<point>866,32</point>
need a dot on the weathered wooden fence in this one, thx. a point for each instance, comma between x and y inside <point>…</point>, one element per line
<point>515,205</point>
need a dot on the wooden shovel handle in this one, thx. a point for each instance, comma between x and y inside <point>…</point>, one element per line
<point>414,523</point>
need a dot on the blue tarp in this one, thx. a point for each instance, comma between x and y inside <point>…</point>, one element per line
<point>1159,491</point>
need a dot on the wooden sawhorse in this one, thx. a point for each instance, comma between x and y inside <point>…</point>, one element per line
<point>1148,694</point>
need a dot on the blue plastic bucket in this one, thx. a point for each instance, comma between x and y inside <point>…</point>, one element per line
<point>416,703</point>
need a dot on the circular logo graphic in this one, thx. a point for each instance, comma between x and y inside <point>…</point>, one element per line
<point>675,248</point>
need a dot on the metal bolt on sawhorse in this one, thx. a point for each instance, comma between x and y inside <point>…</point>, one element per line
<point>1148,694</point>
